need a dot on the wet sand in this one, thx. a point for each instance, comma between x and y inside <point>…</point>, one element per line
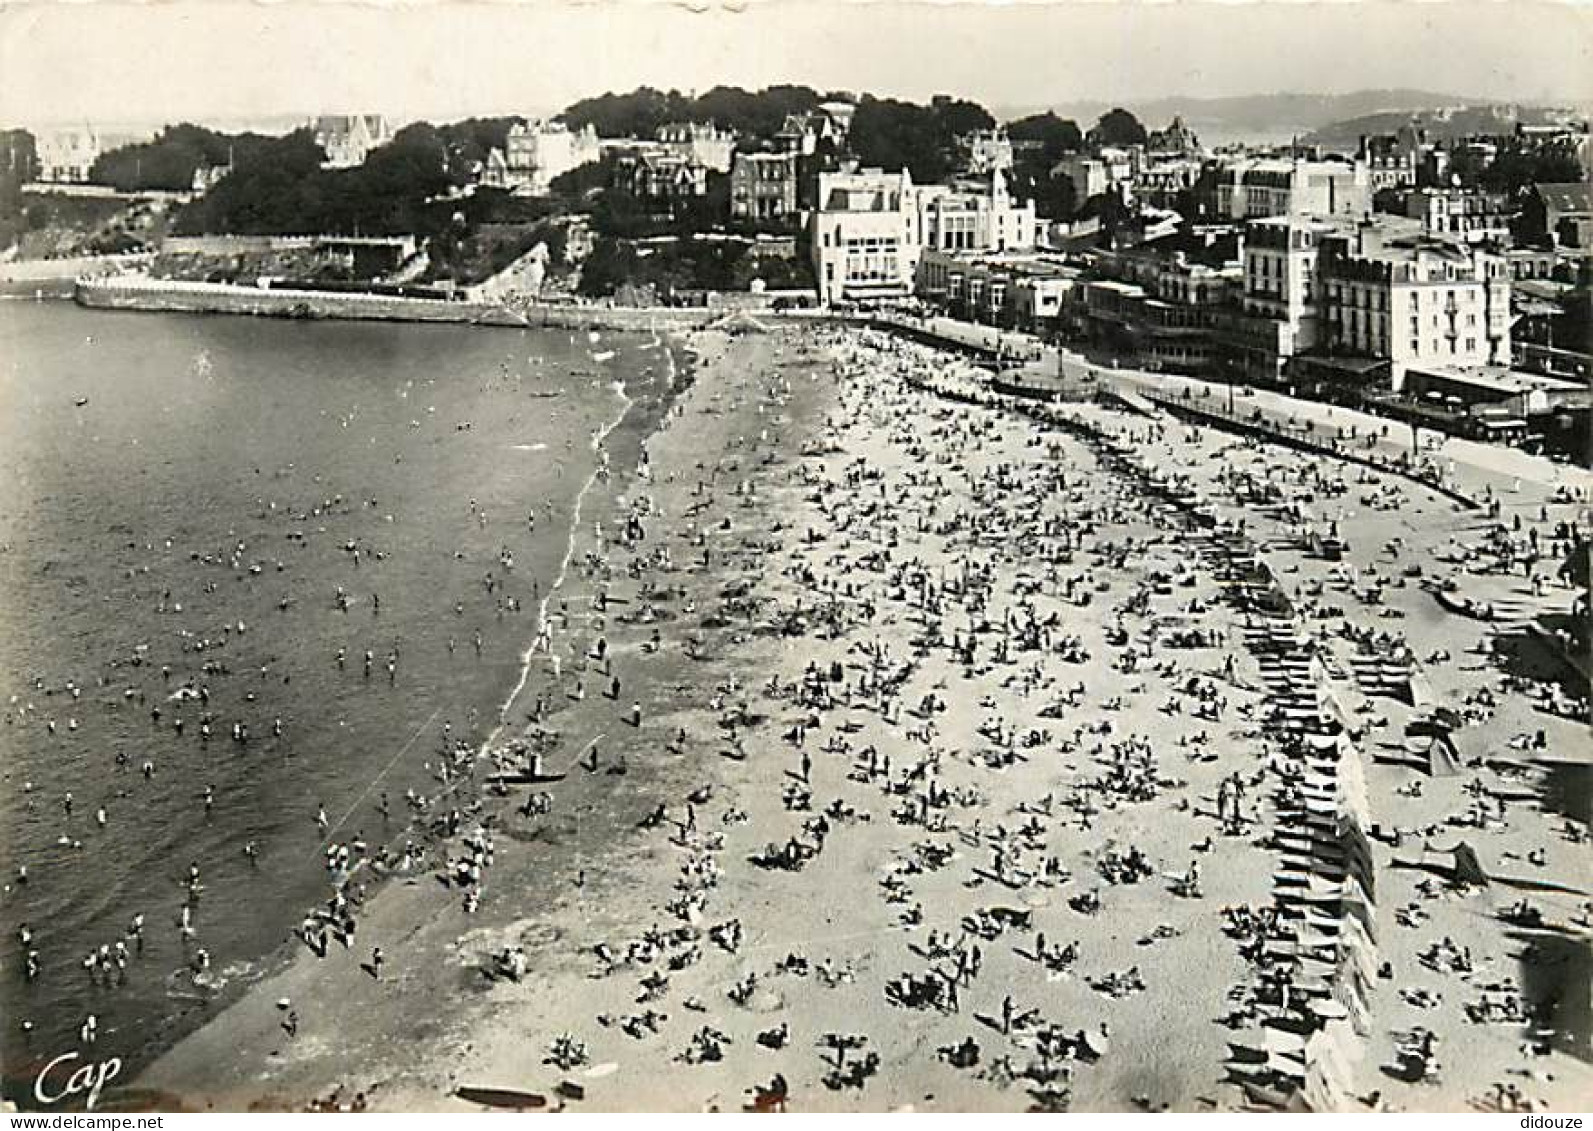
<point>859,571</point>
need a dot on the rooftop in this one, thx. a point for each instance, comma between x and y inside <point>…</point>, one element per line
<point>1570,196</point>
<point>1499,379</point>
<point>1131,290</point>
<point>1034,264</point>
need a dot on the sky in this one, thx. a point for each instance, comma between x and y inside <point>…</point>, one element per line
<point>105,61</point>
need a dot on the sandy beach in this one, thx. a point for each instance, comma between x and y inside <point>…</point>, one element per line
<point>884,750</point>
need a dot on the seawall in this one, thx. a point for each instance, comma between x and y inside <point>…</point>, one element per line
<point>146,294</point>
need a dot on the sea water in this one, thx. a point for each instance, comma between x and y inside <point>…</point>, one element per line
<point>181,499</point>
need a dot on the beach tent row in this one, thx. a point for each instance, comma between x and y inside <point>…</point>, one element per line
<point>1306,1050</point>
<point>1391,677</point>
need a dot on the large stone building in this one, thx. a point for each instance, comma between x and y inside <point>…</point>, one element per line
<point>763,186</point>
<point>699,143</point>
<point>1021,290</point>
<point>1390,160</point>
<point>537,152</point>
<point>986,151</point>
<point>865,239</point>
<point>1093,174</point>
<point>1177,140</point>
<point>1465,214</point>
<point>1276,316</point>
<point>1156,304</point>
<point>1413,299</point>
<point>813,132</point>
<point>871,227</point>
<point>1328,302</point>
<point>66,156</point>
<point>660,176</point>
<point>1254,188</point>
<point>975,213</point>
<point>1165,182</point>
<point>347,139</point>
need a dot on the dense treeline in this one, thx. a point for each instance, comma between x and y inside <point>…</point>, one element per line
<point>639,113</point>
<point>170,160</point>
<point>887,132</point>
<point>277,185</point>
<point>1054,137</point>
<point>280,188</point>
<point>892,134</point>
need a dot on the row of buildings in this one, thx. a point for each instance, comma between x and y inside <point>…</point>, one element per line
<point>1370,311</point>
<point>66,156</point>
<point>766,182</point>
<point>1347,278</point>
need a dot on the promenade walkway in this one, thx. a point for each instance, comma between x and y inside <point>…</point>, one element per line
<point>1469,466</point>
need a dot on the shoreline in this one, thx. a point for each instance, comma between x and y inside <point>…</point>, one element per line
<point>557,583</point>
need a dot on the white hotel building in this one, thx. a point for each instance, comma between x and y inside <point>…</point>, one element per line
<point>871,227</point>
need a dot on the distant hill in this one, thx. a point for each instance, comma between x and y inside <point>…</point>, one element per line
<point>1263,116</point>
<point>1445,123</point>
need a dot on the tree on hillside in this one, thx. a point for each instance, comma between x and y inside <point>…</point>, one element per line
<point>957,117</point>
<point>1056,136</point>
<point>895,135</point>
<point>1518,166</point>
<point>19,157</point>
<point>468,142</point>
<point>1052,193</point>
<point>757,115</point>
<point>19,164</point>
<point>282,190</point>
<point>1118,127</point>
<point>637,114</point>
<point>583,180</point>
<point>170,160</point>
